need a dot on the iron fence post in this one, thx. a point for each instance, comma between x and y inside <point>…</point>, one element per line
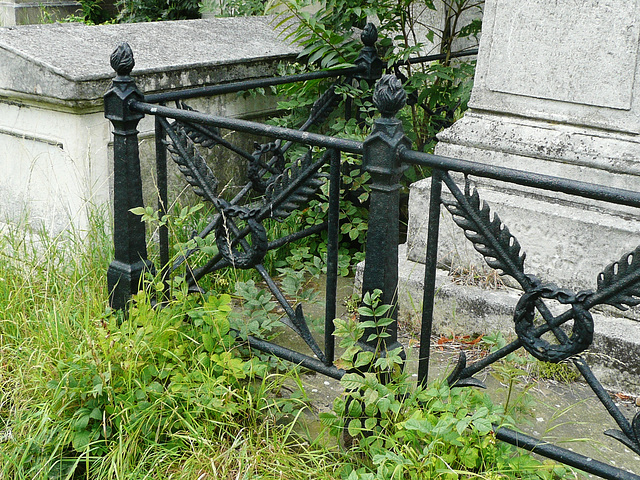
<point>370,68</point>
<point>130,256</point>
<point>380,159</point>
<point>368,59</point>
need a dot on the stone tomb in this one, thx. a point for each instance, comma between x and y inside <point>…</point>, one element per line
<point>23,12</point>
<point>55,153</point>
<point>557,92</point>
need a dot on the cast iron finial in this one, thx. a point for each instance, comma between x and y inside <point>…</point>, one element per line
<point>369,35</point>
<point>122,59</point>
<point>389,96</point>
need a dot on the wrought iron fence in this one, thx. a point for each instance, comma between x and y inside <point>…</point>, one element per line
<point>181,132</point>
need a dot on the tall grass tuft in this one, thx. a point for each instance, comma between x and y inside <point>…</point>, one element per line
<point>164,393</point>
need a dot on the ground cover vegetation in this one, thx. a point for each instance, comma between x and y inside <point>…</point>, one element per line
<point>172,390</point>
<point>175,392</point>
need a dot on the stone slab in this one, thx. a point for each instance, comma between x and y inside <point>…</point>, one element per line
<point>578,49</point>
<point>471,309</point>
<point>567,62</point>
<point>55,144</point>
<point>70,62</point>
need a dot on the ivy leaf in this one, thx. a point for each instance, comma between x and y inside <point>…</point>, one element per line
<point>370,423</point>
<point>418,424</point>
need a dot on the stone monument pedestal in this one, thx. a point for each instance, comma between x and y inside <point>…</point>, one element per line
<point>557,92</point>
<point>553,94</point>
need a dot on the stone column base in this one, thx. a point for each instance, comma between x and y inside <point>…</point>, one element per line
<point>568,240</point>
<point>35,12</point>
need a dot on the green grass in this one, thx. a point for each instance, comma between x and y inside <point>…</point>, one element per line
<point>175,393</point>
<point>163,394</point>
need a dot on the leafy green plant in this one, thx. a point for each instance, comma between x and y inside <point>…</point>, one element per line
<point>400,430</point>
<point>232,8</point>
<point>167,392</point>
<point>256,313</point>
<point>131,11</point>
<point>438,92</point>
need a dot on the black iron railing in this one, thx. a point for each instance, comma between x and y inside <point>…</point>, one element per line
<point>181,132</point>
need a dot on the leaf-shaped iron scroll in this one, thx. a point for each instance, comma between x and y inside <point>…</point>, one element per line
<point>490,237</point>
<point>191,164</point>
<point>619,283</point>
<point>204,135</point>
<point>296,185</point>
<point>258,168</point>
<point>323,107</point>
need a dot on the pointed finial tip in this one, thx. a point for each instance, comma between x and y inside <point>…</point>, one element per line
<point>389,96</point>
<point>369,35</point>
<point>122,59</point>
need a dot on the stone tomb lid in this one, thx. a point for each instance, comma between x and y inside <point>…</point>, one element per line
<point>70,62</point>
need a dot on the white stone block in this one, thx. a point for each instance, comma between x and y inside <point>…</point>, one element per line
<point>55,151</point>
<point>561,61</point>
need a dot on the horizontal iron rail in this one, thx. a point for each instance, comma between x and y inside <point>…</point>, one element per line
<point>530,179</point>
<point>439,56</point>
<point>234,87</point>
<point>563,455</point>
<point>271,131</point>
<point>296,357</point>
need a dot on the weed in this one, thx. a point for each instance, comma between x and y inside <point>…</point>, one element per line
<point>563,372</point>
<point>400,430</point>
<point>475,276</point>
<point>87,393</point>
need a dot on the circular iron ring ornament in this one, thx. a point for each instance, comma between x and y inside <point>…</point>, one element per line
<point>581,334</point>
<point>247,259</point>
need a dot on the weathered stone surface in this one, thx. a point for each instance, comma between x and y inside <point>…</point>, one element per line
<point>579,48</point>
<point>467,309</point>
<point>568,239</point>
<point>70,62</point>
<point>561,61</point>
<point>55,144</point>
<point>556,93</point>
